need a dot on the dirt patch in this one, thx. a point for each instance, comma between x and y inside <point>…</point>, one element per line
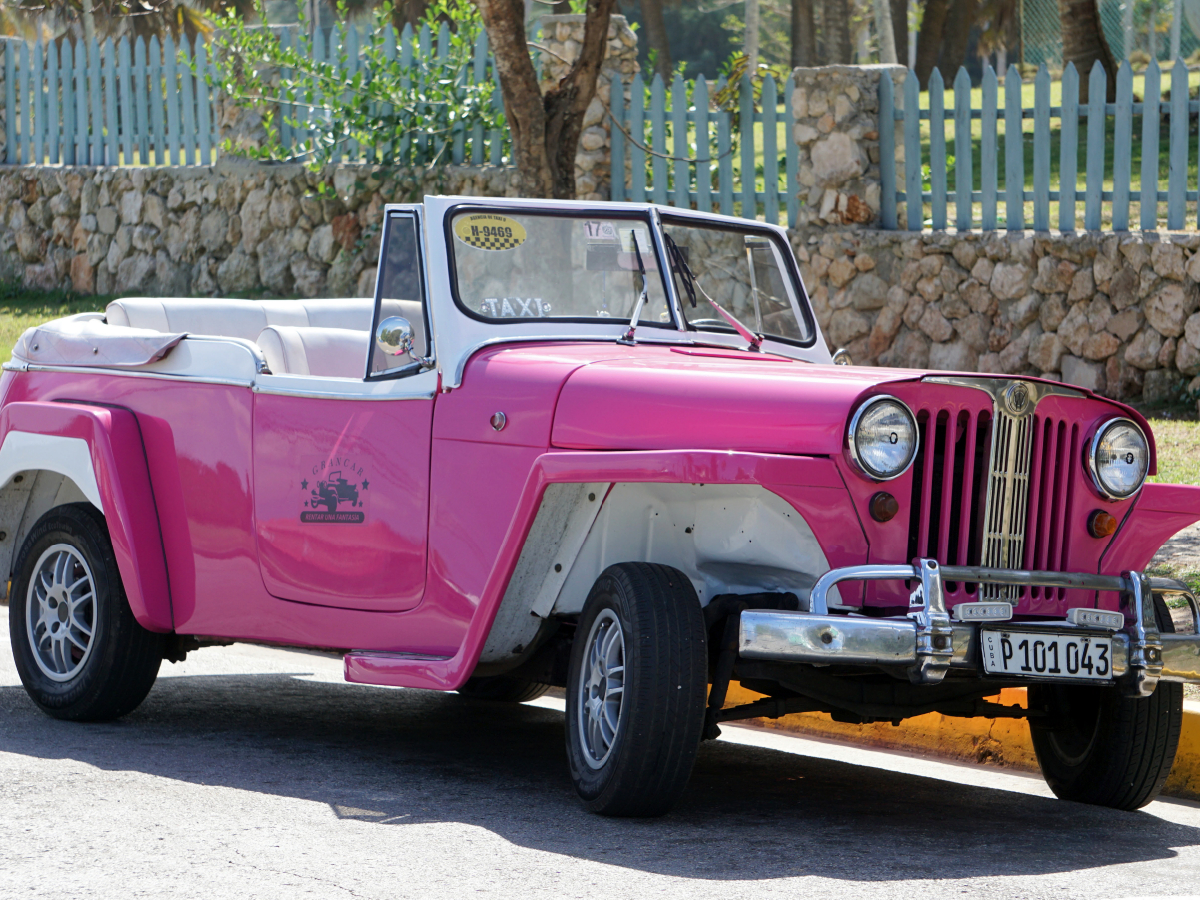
<point>1181,553</point>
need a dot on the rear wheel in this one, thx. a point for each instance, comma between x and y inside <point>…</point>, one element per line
<point>503,689</point>
<point>1102,748</point>
<point>636,690</point>
<point>79,651</point>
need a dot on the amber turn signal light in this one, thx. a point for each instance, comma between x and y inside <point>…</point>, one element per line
<point>1101,524</point>
<point>883,507</point>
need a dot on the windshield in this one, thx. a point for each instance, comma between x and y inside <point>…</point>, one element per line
<point>517,266</point>
<point>747,275</point>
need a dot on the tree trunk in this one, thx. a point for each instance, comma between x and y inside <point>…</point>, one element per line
<point>415,12</point>
<point>956,36</point>
<point>804,32</point>
<point>656,37</point>
<point>523,108</point>
<point>545,130</point>
<point>883,29</point>
<point>750,35</point>
<point>566,104</point>
<point>1084,44</point>
<point>929,40</point>
<point>836,21</point>
<point>900,29</point>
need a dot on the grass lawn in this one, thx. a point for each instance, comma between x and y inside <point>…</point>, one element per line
<point>23,309</point>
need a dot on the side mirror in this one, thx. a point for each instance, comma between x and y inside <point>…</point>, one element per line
<point>394,337</point>
<point>840,357</point>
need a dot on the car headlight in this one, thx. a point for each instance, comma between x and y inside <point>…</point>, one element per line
<point>883,438</point>
<point>1120,458</point>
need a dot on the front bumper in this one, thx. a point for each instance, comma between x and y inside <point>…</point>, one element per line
<point>928,643</point>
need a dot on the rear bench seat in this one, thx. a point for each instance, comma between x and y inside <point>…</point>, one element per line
<point>327,338</point>
<point>238,318</point>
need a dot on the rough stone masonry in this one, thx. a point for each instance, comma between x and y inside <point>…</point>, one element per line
<point>1115,313</point>
<point>231,229</point>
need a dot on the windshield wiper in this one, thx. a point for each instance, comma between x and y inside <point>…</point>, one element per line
<point>627,337</point>
<point>691,285</point>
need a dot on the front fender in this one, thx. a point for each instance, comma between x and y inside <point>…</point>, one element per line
<point>1161,511</point>
<point>101,450</point>
<point>810,484</point>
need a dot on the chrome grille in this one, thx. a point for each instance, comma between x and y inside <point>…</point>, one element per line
<point>1007,500</point>
<point>992,483</point>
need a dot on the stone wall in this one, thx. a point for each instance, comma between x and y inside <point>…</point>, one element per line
<point>562,39</point>
<point>836,110</point>
<point>1116,313</point>
<point>232,229</point>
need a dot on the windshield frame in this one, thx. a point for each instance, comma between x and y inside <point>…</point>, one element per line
<point>598,212</point>
<point>802,305</point>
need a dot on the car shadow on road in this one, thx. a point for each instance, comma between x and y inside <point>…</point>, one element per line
<point>405,757</point>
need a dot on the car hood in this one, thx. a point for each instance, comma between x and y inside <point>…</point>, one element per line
<point>687,398</point>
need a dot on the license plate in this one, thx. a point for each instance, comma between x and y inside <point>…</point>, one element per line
<point>1044,655</point>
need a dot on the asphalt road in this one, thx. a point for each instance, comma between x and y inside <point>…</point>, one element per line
<point>253,772</point>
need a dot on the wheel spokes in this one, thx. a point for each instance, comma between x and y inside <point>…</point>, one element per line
<point>601,688</point>
<point>61,612</point>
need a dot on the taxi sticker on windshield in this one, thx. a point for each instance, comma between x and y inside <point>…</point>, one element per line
<point>601,231</point>
<point>487,231</point>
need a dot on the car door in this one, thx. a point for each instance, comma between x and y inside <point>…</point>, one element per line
<point>341,464</point>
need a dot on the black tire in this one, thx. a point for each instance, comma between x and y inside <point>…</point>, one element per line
<point>661,714</point>
<point>1102,748</point>
<point>503,689</point>
<point>116,671</point>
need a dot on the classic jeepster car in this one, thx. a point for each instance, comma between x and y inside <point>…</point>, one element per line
<point>602,447</point>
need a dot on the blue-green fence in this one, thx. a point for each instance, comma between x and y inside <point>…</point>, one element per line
<point>121,103</point>
<point>681,148</point>
<point>1102,189</point>
<point>108,103</point>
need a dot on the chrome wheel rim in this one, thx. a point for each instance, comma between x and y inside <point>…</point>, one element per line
<point>60,612</point>
<point>601,691</point>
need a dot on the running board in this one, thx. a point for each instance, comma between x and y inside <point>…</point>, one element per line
<point>399,669</point>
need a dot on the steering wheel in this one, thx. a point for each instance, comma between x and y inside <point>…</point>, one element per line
<point>720,322</point>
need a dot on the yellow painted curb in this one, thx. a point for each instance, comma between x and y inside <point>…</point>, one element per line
<point>997,742</point>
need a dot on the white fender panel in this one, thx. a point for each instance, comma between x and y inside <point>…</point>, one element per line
<point>25,451</point>
<point>727,538</point>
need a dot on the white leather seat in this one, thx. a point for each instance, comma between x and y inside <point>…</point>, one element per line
<point>328,352</point>
<point>237,318</point>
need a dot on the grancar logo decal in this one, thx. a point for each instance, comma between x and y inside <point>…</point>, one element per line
<point>336,494</point>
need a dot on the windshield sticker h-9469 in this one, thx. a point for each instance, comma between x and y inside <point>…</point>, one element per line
<point>488,231</point>
<point>514,308</point>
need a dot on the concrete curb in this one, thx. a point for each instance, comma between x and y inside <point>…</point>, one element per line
<point>997,742</point>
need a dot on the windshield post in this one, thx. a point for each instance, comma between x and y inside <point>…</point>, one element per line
<point>674,301</point>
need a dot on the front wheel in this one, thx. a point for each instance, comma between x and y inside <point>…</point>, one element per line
<point>79,651</point>
<point>1100,747</point>
<point>636,690</point>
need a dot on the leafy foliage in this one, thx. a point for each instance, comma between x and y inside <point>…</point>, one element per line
<point>384,104</point>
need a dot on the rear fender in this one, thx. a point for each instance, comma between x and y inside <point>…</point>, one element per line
<point>98,453</point>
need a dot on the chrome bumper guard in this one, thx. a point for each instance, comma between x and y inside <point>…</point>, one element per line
<point>928,643</point>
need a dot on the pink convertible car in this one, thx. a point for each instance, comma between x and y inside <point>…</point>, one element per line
<point>601,447</point>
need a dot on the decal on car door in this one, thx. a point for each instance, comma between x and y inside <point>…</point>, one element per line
<point>335,493</point>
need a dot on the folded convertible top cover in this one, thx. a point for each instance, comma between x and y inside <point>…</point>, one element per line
<point>87,341</point>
